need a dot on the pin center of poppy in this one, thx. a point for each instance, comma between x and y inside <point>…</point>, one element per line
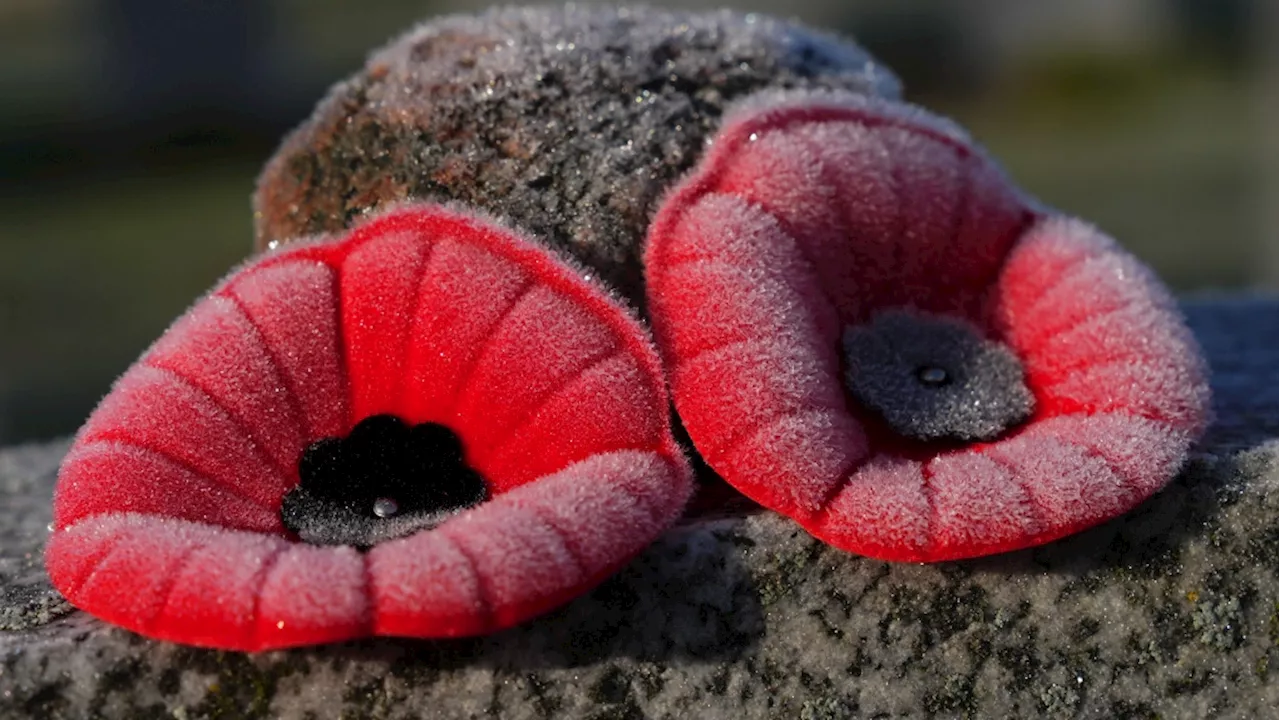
<point>383,481</point>
<point>935,378</point>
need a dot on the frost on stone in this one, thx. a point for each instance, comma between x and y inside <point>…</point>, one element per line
<point>570,122</point>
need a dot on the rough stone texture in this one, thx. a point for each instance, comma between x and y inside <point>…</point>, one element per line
<point>1167,612</point>
<point>569,122</point>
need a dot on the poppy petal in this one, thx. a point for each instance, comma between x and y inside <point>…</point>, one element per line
<point>882,508</point>
<point>292,307</point>
<point>168,508</point>
<point>380,297</point>
<point>217,348</point>
<point>815,214</point>
<point>1099,334</point>
<point>473,289</point>
<point>127,415</point>
<point>114,476</point>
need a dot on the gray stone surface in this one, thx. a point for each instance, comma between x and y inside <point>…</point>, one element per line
<point>1167,612</point>
<point>570,123</point>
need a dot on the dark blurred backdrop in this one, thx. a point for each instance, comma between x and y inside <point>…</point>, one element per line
<point>131,132</point>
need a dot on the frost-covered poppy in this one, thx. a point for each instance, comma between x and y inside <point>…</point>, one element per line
<point>866,327</point>
<point>429,427</point>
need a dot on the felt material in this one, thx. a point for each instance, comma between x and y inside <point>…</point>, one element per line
<point>384,480</point>
<point>167,513</point>
<point>777,266</point>
<point>933,377</point>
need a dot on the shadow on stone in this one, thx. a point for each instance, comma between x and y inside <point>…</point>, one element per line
<point>682,599</point>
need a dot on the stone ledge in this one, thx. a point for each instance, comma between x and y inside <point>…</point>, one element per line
<point>1169,611</point>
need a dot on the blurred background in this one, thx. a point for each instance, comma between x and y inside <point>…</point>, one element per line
<point>131,132</point>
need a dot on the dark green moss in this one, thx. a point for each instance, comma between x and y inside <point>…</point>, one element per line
<point>543,695</point>
<point>1021,660</point>
<point>783,576</point>
<point>1084,629</point>
<point>954,610</point>
<point>1262,548</point>
<point>860,659</point>
<point>828,708</point>
<point>613,686</point>
<point>170,681</point>
<point>832,630</point>
<point>25,606</point>
<point>1125,710</point>
<point>242,688</point>
<point>1191,681</point>
<point>955,697</point>
<point>648,679</point>
<point>121,678</point>
<point>48,701</point>
<point>719,683</point>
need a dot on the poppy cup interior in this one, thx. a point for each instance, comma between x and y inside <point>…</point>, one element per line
<point>817,217</point>
<point>168,507</point>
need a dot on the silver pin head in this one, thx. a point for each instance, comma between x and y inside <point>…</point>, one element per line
<point>385,507</point>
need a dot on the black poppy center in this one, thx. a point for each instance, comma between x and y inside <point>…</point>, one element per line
<point>935,378</point>
<point>384,480</point>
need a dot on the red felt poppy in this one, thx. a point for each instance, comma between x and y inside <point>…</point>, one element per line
<point>465,431</point>
<point>869,329</point>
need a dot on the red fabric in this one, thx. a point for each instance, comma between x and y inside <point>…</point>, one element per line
<point>809,216</point>
<point>166,512</point>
